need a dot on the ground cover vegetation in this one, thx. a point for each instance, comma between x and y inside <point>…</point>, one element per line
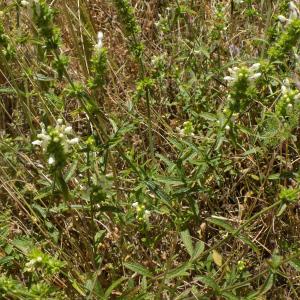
<point>149,149</point>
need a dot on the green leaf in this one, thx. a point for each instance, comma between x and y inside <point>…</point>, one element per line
<point>6,259</point>
<point>274,176</point>
<point>198,250</point>
<point>208,116</point>
<point>208,281</point>
<point>78,288</point>
<point>184,294</point>
<point>281,209</point>
<point>230,296</point>
<point>113,286</point>
<point>40,210</point>
<point>230,229</point>
<point>264,288</point>
<point>248,242</point>
<point>174,181</point>
<point>179,271</point>
<point>137,268</point>
<point>295,263</point>
<point>187,241</point>
<point>71,171</point>
<point>8,91</point>
<point>220,222</point>
<point>42,195</point>
<point>23,244</point>
<point>251,151</point>
<point>267,285</point>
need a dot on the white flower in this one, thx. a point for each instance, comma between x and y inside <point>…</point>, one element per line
<point>294,11</point>
<point>147,213</point>
<point>37,142</point>
<point>43,136</point>
<point>236,73</point>
<point>227,127</point>
<point>255,76</point>
<point>59,121</point>
<point>286,82</point>
<point>229,78</point>
<point>135,204</point>
<point>99,40</point>
<point>297,97</point>
<point>74,141</point>
<point>282,19</point>
<point>24,3</point>
<point>284,89</point>
<point>51,160</point>
<point>255,67</point>
<point>68,130</point>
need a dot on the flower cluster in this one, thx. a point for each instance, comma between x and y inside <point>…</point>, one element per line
<point>243,73</point>
<point>43,18</point>
<point>294,14</point>
<point>98,63</point>
<point>241,265</point>
<point>242,88</point>
<point>289,99</point>
<point>141,211</point>
<point>40,260</point>
<point>56,142</point>
<point>132,29</point>
<point>289,37</point>
<point>187,129</point>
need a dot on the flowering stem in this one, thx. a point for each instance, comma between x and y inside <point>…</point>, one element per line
<point>148,104</point>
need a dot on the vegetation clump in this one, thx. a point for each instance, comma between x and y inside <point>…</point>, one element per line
<point>149,149</point>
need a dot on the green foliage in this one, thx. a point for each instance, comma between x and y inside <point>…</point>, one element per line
<point>286,41</point>
<point>172,174</point>
<point>43,17</point>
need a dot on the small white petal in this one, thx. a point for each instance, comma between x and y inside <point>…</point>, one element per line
<point>74,141</point>
<point>37,142</point>
<point>282,19</point>
<point>255,76</point>
<point>99,40</point>
<point>283,89</point>
<point>135,204</point>
<point>231,71</point>
<point>59,121</point>
<point>51,160</point>
<point>294,10</point>
<point>229,78</point>
<point>255,67</point>
<point>147,213</point>
<point>286,82</point>
<point>41,136</point>
<point>68,130</point>
<point>24,3</point>
<point>297,97</point>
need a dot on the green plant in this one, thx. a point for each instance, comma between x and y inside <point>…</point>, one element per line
<point>155,159</point>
